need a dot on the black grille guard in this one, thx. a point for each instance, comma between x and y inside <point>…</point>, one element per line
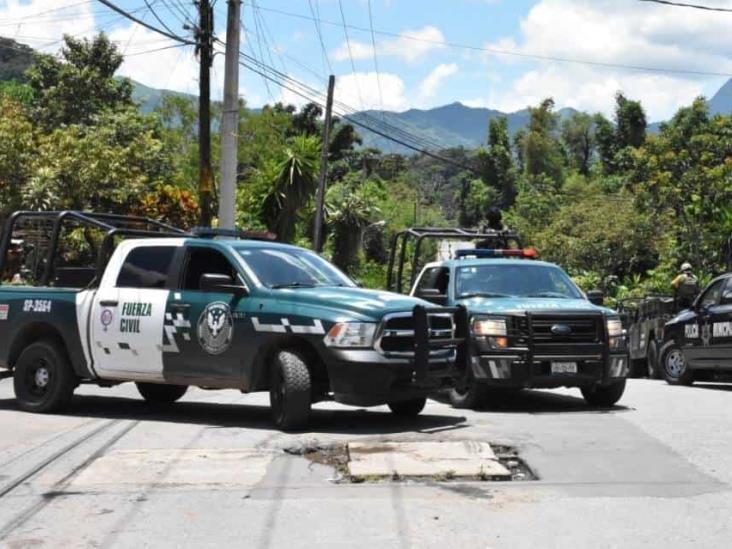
<point>423,344</point>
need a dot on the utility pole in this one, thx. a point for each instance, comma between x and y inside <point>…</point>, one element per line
<point>230,118</point>
<point>205,53</point>
<point>320,197</point>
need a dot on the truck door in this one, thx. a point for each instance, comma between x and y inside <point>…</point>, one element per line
<point>128,312</point>
<point>720,320</point>
<point>206,333</point>
<point>699,345</point>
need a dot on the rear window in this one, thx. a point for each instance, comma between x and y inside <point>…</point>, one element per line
<point>146,267</point>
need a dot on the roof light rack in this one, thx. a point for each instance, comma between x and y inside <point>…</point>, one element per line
<point>399,278</point>
<point>527,253</point>
<point>208,232</point>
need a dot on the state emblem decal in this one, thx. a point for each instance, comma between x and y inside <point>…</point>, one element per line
<point>215,328</point>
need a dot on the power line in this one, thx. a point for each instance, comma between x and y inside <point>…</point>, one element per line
<point>140,22</point>
<point>156,16</point>
<point>318,31</point>
<point>685,5</point>
<point>376,57</point>
<point>350,54</point>
<point>512,53</point>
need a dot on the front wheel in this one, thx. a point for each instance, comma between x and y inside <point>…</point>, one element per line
<point>408,408</point>
<point>157,393</point>
<point>290,391</point>
<point>674,368</point>
<point>604,396</point>
<point>43,379</point>
<point>468,394</point>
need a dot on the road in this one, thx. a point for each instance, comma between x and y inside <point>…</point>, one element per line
<point>211,472</point>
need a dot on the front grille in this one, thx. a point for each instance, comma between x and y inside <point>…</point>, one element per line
<point>396,336</point>
<point>581,329</point>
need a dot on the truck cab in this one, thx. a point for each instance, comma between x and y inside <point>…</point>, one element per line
<point>697,342</point>
<point>171,309</point>
<point>531,326</point>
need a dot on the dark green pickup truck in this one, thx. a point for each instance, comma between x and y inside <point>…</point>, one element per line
<point>169,309</point>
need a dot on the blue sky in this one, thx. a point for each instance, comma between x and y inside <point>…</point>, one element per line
<point>417,68</point>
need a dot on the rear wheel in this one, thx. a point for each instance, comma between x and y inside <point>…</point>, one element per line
<point>652,360</point>
<point>604,396</point>
<point>408,408</point>
<point>157,393</point>
<point>290,391</point>
<point>674,368</point>
<point>43,379</point>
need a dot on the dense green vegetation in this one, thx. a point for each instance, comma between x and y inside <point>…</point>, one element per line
<point>612,204</point>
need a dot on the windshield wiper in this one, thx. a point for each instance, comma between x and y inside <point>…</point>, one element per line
<point>548,294</point>
<point>293,285</point>
<point>483,294</point>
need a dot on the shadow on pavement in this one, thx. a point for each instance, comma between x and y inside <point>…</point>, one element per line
<point>713,386</point>
<point>538,402</point>
<point>251,416</point>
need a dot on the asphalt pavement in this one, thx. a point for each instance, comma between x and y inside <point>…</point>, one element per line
<point>210,471</point>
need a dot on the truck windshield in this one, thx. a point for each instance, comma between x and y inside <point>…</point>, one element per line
<point>525,280</point>
<point>292,268</point>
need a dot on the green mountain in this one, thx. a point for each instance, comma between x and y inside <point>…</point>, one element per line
<point>453,125</point>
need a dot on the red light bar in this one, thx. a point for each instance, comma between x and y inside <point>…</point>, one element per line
<point>529,253</point>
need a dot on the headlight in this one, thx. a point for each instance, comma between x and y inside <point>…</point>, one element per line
<point>614,327</point>
<point>489,327</point>
<point>616,335</point>
<point>351,334</point>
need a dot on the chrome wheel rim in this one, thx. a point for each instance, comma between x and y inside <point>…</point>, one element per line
<point>675,364</point>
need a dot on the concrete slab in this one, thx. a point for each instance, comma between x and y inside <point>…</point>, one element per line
<point>424,459</point>
<point>190,468</point>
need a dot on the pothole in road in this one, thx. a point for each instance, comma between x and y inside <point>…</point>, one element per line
<point>358,462</point>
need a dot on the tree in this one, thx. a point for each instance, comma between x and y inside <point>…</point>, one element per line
<point>349,208</point>
<point>497,162</point>
<point>80,85</point>
<point>281,187</point>
<point>17,153</point>
<point>578,135</point>
<point>682,176</point>
<point>542,153</point>
<point>630,122</point>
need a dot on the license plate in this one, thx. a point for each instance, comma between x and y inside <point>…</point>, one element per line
<point>564,367</point>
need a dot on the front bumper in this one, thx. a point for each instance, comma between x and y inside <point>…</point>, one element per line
<point>367,378</point>
<point>521,369</point>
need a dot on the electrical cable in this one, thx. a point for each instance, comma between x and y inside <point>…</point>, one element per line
<point>685,5</point>
<point>513,53</point>
<point>131,17</point>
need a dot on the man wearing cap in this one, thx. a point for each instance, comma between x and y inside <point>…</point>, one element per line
<point>686,286</point>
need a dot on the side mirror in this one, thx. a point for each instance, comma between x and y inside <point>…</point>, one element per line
<point>596,297</point>
<point>726,298</point>
<point>213,282</point>
<point>432,295</point>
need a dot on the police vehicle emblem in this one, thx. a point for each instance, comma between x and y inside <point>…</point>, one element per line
<point>215,328</point>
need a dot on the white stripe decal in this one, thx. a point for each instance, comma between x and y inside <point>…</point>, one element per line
<point>277,328</point>
<point>316,328</point>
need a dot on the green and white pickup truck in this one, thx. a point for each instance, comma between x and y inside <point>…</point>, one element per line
<point>169,310</point>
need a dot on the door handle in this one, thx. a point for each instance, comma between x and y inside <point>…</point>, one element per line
<point>109,303</point>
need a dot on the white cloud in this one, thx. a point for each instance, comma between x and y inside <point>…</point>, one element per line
<point>42,23</point>
<point>428,86</point>
<point>617,32</point>
<point>409,46</point>
<point>361,91</point>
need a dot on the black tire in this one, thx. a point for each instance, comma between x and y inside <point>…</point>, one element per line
<point>652,360</point>
<point>673,365</point>
<point>604,396</point>
<point>408,408</point>
<point>290,391</point>
<point>468,394</point>
<point>43,379</point>
<point>158,393</point>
